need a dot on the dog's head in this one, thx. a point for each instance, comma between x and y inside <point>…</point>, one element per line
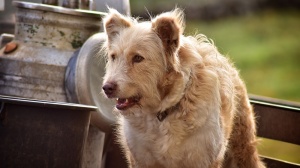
<point>141,58</point>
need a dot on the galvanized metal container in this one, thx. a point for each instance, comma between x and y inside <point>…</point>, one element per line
<point>46,36</point>
<point>84,77</point>
<point>38,133</point>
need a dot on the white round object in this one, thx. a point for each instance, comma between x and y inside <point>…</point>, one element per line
<point>84,79</point>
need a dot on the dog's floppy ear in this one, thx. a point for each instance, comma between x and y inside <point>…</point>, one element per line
<point>114,22</point>
<point>169,26</point>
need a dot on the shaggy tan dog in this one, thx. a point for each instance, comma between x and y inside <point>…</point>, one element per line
<point>182,103</point>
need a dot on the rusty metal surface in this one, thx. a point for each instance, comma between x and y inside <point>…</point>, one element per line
<point>42,134</point>
<point>37,75</point>
<point>44,25</point>
<point>46,37</point>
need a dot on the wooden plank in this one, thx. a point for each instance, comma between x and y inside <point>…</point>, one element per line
<point>277,121</point>
<point>274,163</point>
<point>278,102</point>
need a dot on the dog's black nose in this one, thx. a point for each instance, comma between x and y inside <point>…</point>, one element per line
<point>109,88</point>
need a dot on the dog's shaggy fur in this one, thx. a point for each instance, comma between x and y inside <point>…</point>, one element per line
<point>182,103</point>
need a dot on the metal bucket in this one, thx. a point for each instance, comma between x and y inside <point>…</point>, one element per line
<point>38,133</point>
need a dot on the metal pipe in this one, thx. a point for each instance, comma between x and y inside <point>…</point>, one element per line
<point>92,5</point>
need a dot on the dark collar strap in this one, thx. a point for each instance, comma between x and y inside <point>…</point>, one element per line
<point>162,115</point>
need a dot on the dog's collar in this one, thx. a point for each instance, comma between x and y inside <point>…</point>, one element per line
<point>161,115</point>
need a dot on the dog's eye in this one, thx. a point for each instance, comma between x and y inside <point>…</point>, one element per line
<point>113,56</point>
<point>137,59</point>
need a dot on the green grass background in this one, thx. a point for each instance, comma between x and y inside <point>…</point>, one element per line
<point>264,46</point>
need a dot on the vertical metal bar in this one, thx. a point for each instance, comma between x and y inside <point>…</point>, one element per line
<point>50,2</point>
<point>84,4</point>
<point>74,4</point>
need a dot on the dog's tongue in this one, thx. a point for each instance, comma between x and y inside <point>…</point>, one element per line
<point>123,104</point>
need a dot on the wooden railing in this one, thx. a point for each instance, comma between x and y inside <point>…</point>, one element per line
<point>277,120</point>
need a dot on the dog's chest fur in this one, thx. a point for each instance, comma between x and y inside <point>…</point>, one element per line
<point>171,142</point>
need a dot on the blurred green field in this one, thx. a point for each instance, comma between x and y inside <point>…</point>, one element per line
<point>264,46</point>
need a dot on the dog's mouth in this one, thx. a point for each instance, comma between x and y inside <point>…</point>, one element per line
<point>125,103</point>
